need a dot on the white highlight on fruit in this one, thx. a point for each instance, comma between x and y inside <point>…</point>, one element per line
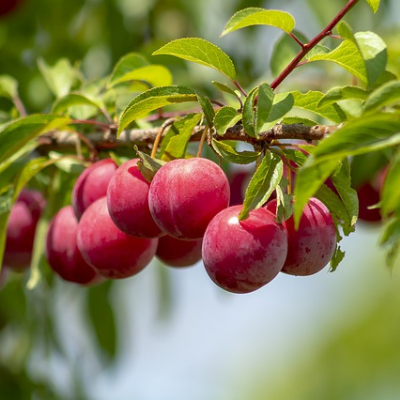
<point>233,221</point>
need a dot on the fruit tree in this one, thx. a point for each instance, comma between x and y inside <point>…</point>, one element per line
<point>136,165</point>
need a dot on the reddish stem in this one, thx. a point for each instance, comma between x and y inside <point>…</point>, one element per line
<point>310,45</point>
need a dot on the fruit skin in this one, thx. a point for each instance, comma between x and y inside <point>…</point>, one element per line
<point>127,201</point>
<point>242,256</point>
<point>237,181</point>
<point>21,229</point>
<point>311,247</point>
<point>112,253</point>
<point>8,6</point>
<point>368,196</point>
<point>91,185</point>
<point>62,251</point>
<point>185,195</point>
<point>178,253</point>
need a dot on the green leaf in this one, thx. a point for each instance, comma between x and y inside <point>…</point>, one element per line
<point>368,133</point>
<point>374,4</point>
<point>299,120</point>
<point>148,166</point>
<point>262,184</point>
<point>308,180</point>
<point>207,108</point>
<point>309,101</point>
<point>336,259</point>
<point>343,93</point>
<point>390,240</point>
<point>259,16</point>
<point>201,52</point>
<point>155,75</point>
<point>390,196</point>
<point>183,129</point>
<point>225,118</point>
<point>385,95</point>
<point>102,319</point>
<point>15,135</point>
<point>365,56</point>
<point>72,100</point>
<point>264,105</point>
<point>341,179</point>
<point>59,77</point>
<point>8,87</point>
<point>249,113</point>
<point>125,66</point>
<point>230,154</point>
<point>224,88</point>
<point>154,99</point>
<point>285,49</point>
<point>282,104</point>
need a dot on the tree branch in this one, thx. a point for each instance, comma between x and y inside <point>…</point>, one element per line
<point>145,137</point>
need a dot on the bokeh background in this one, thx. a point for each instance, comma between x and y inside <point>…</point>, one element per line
<point>171,334</point>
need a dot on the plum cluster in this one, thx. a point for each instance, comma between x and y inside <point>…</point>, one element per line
<point>118,222</point>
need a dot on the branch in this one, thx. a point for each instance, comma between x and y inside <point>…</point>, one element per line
<point>305,49</point>
<point>146,137</point>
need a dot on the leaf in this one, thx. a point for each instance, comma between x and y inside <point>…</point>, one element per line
<point>362,135</point>
<point>309,101</point>
<point>285,49</point>
<point>390,196</point>
<point>308,180</point>
<point>282,104</point>
<point>201,52</point>
<point>154,99</point>
<point>230,154</point>
<point>390,240</point>
<point>387,94</point>
<point>299,120</point>
<point>59,77</point>
<point>264,105</point>
<point>102,318</point>
<point>72,100</point>
<point>374,4</point>
<point>262,184</point>
<point>17,134</point>
<point>148,166</point>
<point>259,16</point>
<point>8,87</point>
<point>224,88</point>
<point>249,114</point>
<point>336,259</point>
<point>207,108</point>
<point>365,56</point>
<point>126,65</point>
<point>343,93</point>
<point>183,129</point>
<point>155,75</point>
<point>225,118</point>
<point>341,180</point>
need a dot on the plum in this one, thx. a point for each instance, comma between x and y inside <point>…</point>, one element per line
<point>178,253</point>
<point>186,194</point>
<point>242,256</point>
<point>311,247</point>
<point>62,251</point>
<point>127,201</point>
<point>111,252</point>
<point>21,229</point>
<point>92,184</point>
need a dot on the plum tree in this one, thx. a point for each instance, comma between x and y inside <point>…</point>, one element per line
<point>185,195</point>
<point>312,245</point>
<point>21,229</point>
<point>127,201</point>
<point>178,253</point>
<point>111,252</point>
<point>242,256</point>
<point>62,251</point>
<point>92,184</point>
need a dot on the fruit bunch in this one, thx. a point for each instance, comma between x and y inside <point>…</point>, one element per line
<point>119,221</point>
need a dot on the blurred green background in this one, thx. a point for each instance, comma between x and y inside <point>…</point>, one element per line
<point>169,334</point>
